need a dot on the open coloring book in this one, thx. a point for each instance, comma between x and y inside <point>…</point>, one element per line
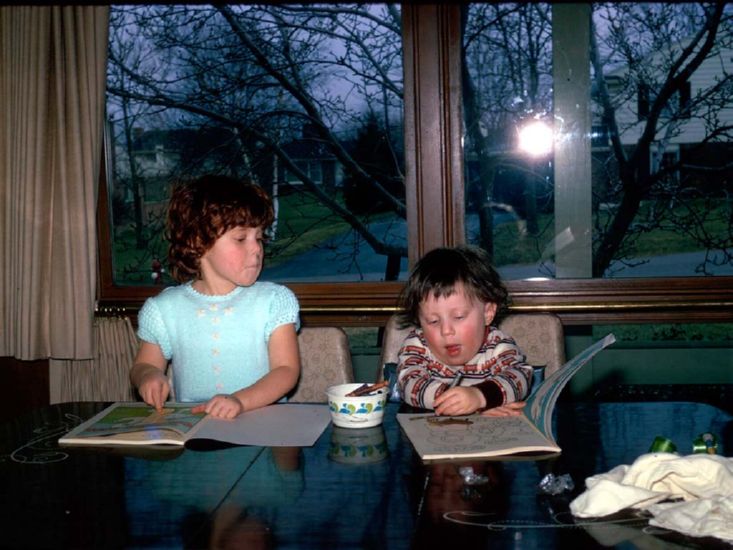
<point>476,436</point>
<point>284,424</point>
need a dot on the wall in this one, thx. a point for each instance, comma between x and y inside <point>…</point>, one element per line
<point>650,363</point>
<point>621,364</point>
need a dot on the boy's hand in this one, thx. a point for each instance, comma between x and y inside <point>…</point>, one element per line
<point>221,406</point>
<point>510,409</point>
<point>154,389</point>
<point>458,401</point>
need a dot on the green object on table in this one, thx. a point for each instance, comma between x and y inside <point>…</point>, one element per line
<point>662,445</point>
<point>705,443</point>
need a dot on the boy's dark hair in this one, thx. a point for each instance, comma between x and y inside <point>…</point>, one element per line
<point>202,210</point>
<point>439,271</point>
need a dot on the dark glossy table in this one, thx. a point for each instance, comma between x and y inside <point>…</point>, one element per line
<point>353,489</point>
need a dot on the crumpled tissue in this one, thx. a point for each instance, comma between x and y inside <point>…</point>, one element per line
<point>704,483</point>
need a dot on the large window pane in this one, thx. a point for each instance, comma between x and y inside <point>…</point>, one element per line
<point>662,110</point>
<point>507,99</point>
<point>660,101</point>
<point>305,100</point>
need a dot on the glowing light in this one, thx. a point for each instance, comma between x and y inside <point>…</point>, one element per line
<point>535,138</point>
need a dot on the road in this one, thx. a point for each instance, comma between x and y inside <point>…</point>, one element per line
<point>337,260</point>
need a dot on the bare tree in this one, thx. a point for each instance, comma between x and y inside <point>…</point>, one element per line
<point>265,72</point>
<point>127,171</point>
<point>644,57</point>
<point>262,73</point>
<point>506,79</point>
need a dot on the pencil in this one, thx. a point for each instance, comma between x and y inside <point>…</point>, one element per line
<point>456,381</point>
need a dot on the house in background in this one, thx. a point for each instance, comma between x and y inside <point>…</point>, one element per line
<point>686,122</point>
<point>311,155</point>
<point>160,157</point>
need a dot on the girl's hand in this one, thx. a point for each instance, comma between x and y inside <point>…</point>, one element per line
<point>457,401</point>
<point>221,406</point>
<point>154,388</point>
<point>510,409</point>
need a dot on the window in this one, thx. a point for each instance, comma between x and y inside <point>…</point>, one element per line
<point>305,100</point>
<point>669,165</point>
<point>663,214</point>
<point>678,106</point>
<point>439,210</point>
<point>507,95</point>
<point>312,169</point>
<point>636,202</point>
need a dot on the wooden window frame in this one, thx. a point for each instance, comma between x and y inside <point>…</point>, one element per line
<point>434,184</point>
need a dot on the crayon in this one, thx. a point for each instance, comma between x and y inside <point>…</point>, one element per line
<point>367,389</point>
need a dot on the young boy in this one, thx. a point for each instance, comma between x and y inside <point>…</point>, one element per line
<point>455,361</point>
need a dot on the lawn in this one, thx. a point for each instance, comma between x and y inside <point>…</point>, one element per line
<point>512,247</point>
<point>303,223</point>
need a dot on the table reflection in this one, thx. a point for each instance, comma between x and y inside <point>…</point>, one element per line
<point>352,489</point>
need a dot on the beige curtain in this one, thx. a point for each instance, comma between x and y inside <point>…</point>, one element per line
<point>52,78</point>
<point>105,377</point>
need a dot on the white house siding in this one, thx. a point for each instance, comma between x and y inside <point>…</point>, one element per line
<point>688,131</point>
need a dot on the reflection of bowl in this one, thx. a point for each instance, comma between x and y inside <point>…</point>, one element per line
<point>358,446</point>
<point>356,412</point>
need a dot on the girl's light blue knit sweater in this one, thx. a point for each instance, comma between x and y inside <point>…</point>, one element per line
<point>217,344</point>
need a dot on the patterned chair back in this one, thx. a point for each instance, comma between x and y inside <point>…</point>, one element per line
<point>325,360</point>
<point>539,335</point>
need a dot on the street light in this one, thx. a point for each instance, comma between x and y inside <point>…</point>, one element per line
<point>536,139</point>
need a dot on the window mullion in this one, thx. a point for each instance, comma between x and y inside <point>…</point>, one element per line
<point>433,128</point>
<point>572,167</point>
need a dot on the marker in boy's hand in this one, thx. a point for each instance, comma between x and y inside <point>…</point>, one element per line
<point>458,401</point>
<point>454,402</point>
<point>456,381</point>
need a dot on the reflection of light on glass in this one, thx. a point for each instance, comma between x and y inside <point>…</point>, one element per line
<point>563,239</point>
<point>535,138</point>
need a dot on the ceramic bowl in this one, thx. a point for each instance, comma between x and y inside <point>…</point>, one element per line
<point>364,446</point>
<point>355,412</point>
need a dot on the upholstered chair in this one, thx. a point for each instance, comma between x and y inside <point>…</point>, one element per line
<point>539,335</point>
<point>325,360</point>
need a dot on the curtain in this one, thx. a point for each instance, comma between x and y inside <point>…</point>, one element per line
<point>52,79</point>
<point>105,377</point>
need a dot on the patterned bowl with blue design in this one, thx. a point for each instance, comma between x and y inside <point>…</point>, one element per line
<point>356,412</point>
<point>358,446</point>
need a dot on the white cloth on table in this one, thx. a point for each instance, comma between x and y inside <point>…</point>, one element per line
<point>704,483</point>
